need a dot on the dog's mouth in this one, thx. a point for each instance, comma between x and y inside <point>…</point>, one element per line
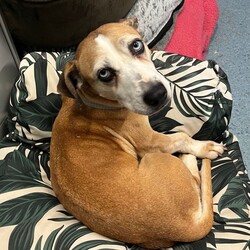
<point>159,108</point>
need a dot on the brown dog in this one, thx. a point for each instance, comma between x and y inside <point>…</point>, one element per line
<point>108,167</point>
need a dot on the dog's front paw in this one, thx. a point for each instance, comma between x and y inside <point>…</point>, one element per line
<point>208,149</point>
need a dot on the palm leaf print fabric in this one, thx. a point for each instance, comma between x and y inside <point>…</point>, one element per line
<point>31,217</point>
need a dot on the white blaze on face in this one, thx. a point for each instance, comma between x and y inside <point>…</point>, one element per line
<point>135,75</point>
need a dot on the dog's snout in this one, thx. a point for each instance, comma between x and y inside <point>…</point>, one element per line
<point>156,95</point>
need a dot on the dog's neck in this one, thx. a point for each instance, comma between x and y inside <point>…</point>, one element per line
<point>98,102</point>
<point>98,105</point>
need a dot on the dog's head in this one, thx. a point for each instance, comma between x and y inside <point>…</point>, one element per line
<point>112,66</point>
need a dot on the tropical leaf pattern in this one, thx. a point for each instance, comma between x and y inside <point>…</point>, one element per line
<point>31,217</point>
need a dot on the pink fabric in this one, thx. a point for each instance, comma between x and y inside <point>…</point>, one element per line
<point>194,28</point>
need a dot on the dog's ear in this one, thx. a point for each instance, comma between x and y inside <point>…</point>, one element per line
<point>69,80</point>
<point>133,22</point>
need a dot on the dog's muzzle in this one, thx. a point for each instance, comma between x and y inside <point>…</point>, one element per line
<point>156,97</point>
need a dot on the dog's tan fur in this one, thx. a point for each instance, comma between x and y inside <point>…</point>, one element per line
<point>109,168</point>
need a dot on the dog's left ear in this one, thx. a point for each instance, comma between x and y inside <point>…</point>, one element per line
<point>133,22</point>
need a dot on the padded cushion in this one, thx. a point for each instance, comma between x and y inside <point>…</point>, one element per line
<point>49,25</point>
<point>201,98</point>
<point>30,215</point>
<point>46,25</point>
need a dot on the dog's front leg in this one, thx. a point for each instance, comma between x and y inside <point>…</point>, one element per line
<point>182,143</point>
<point>137,132</point>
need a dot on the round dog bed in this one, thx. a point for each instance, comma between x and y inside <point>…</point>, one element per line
<point>31,217</point>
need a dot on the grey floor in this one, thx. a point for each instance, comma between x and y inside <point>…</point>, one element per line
<point>230,48</point>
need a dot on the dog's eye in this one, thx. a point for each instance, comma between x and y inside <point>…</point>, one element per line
<point>106,74</point>
<point>137,47</point>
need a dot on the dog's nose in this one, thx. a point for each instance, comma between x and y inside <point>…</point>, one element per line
<point>156,95</point>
